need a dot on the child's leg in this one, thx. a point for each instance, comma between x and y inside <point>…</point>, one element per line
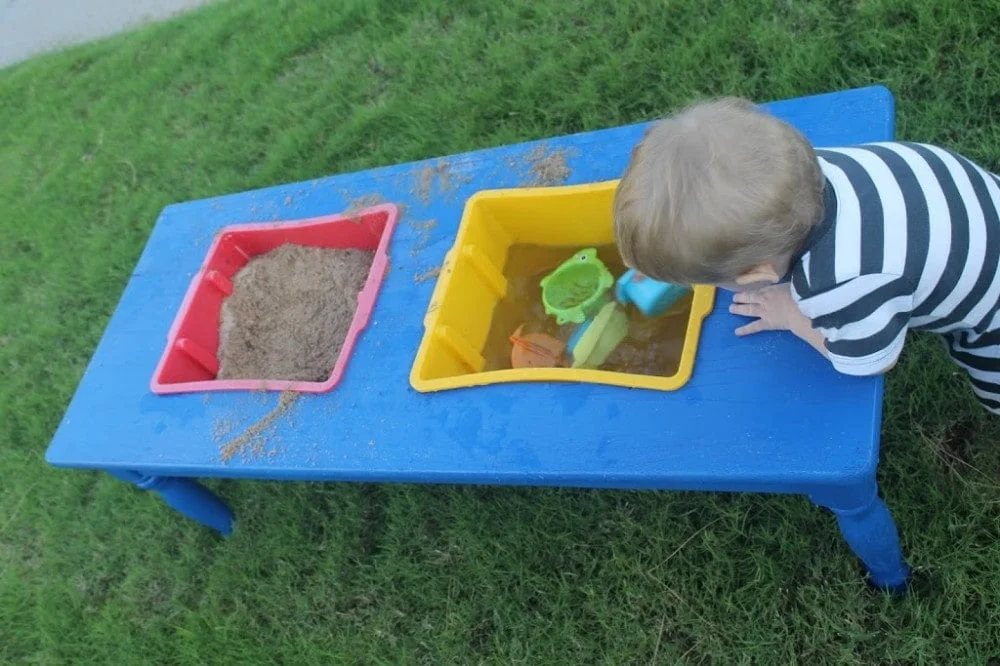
<point>981,363</point>
<point>990,402</point>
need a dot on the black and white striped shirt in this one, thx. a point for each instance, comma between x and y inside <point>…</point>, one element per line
<point>910,238</point>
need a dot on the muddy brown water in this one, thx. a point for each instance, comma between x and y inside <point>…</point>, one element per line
<point>652,347</point>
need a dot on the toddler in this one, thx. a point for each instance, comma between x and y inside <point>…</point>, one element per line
<point>847,248</point>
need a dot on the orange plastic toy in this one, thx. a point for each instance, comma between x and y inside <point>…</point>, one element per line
<point>535,350</point>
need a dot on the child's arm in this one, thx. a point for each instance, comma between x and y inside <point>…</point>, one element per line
<point>802,327</point>
<point>774,309</point>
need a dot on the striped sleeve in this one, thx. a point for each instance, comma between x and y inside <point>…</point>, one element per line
<point>863,320</point>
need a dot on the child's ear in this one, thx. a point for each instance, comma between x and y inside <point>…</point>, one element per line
<point>758,274</point>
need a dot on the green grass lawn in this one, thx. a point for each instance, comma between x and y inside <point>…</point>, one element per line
<point>96,140</point>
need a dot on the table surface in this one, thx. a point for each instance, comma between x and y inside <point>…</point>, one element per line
<point>762,413</point>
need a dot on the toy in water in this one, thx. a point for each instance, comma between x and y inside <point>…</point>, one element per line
<point>535,350</point>
<point>652,297</point>
<point>577,289</point>
<point>592,343</point>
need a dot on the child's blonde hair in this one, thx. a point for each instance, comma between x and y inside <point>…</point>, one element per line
<point>715,190</point>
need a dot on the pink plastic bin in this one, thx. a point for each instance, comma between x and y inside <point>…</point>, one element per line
<point>189,363</point>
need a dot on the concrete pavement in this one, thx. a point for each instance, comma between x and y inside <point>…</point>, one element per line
<point>30,27</point>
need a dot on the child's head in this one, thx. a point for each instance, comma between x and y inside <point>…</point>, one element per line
<point>720,193</point>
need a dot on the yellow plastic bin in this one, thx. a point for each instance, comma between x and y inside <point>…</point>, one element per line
<point>473,283</point>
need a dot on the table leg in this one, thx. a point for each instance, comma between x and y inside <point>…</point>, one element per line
<point>870,531</point>
<point>185,496</point>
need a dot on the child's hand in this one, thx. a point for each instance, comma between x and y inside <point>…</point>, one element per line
<point>772,307</point>
<point>775,310</point>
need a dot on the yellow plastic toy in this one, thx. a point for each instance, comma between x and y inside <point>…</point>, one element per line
<point>472,283</point>
<point>594,341</point>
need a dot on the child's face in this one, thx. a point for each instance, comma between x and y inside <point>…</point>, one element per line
<point>732,286</point>
<point>759,276</point>
<point>735,287</point>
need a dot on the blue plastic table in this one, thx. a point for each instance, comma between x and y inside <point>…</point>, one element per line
<point>764,414</point>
